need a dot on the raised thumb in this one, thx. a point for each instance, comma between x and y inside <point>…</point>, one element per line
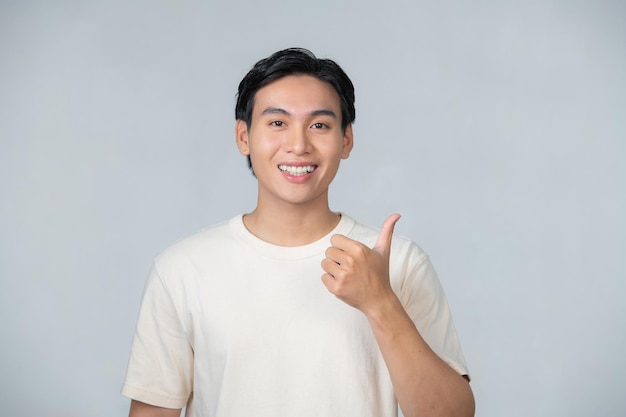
<point>383,243</point>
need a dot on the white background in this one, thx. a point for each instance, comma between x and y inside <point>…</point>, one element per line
<point>497,128</point>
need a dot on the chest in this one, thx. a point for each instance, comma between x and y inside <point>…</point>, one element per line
<point>267,306</point>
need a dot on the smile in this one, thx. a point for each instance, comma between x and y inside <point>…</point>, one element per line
<point>297,171</point>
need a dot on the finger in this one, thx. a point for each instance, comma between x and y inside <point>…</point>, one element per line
<point>329,282</point>
<point>383,243</point>
<point>328,279</point>
<point>342,242</point>
<point>330,267</point>
<point>334,254</point>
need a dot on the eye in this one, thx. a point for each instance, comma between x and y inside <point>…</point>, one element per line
<point>277,123</point>
<point>319,125</point>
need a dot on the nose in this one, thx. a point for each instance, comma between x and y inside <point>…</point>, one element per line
<point>297,141</point>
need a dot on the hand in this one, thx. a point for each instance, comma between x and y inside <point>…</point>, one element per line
<point>356,274</point>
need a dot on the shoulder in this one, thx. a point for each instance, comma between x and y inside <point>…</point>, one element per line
<point>196,247</point>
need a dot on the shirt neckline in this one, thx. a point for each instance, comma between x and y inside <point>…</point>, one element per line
<point>344,227</point>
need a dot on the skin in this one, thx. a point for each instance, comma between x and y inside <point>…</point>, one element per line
<point>359,276</point>
<point>139,409</point>
<point>296,121</point>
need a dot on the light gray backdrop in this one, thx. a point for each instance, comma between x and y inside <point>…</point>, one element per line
<point>496,128</point>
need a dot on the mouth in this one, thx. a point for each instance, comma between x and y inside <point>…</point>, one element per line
<point>297,170</point>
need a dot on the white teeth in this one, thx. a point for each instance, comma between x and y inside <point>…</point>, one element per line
<point>296,170</point>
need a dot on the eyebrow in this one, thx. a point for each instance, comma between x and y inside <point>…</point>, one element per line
<point>320,112</point>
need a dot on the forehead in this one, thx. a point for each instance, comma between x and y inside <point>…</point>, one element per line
<point>295,93</point>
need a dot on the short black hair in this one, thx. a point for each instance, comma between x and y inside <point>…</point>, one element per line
<point>294,61</point>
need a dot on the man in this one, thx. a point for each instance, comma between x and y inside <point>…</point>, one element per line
<point>293,309</point>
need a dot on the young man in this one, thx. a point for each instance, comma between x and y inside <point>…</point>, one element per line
<point>293,309</point>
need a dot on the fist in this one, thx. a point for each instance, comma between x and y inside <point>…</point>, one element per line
<point>359,275</point>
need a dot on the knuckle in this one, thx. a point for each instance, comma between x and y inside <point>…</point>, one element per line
<point>340,276</point>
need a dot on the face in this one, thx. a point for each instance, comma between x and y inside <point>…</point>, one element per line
<point>295,140</point>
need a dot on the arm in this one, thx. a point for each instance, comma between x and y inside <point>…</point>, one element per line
<point>424,384</point>
<point>139,409</point>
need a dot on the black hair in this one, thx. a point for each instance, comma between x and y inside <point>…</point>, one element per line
<point>294,61</point>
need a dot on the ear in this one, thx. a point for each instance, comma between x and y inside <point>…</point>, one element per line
<point>348,142</point>
<point>241,136</point>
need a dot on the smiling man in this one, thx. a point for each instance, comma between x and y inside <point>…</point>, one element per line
<point>294,309</point>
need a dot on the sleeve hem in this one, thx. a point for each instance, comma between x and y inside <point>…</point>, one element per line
<point>460,369</point>
<point>153,398</point>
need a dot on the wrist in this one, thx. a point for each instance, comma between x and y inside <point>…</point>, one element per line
<point>385,310</point>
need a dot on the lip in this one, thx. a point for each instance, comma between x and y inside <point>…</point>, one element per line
<point>297,163</point>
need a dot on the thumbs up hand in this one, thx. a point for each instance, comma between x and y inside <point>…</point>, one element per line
<point>357,274</point>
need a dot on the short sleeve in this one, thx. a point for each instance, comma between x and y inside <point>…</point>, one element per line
<point>160,368</point>
<point>425,302</point>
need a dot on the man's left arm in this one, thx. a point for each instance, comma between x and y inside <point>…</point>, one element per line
<point>423,383</point>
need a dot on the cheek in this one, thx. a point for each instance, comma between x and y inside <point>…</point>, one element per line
<point>264,145</point>
<point>263,153</point>
<point>338,151</point>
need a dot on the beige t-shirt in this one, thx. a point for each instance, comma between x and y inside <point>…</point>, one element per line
<point>233,326</point>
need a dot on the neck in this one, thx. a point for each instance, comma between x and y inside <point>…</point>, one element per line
<point>291,226</point>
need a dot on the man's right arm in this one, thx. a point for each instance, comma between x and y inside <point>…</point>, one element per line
<point>139,409</point>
